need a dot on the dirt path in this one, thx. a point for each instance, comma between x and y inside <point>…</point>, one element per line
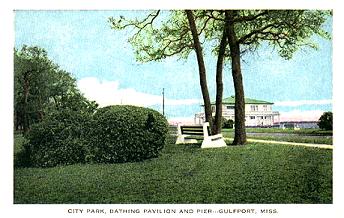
<point>325,146</point>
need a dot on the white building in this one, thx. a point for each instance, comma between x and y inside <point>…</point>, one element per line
<point>257,112</point>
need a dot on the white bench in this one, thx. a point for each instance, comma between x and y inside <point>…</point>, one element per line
<point>187,134</point>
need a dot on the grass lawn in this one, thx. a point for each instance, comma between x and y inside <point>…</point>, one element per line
<point>300,136</point>
<point>299,139</point>
<point>255,173</point>
<point>318,132</point>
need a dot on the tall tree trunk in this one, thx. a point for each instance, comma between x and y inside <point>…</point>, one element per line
<point>25,105</point>
<point>217,127</point>
<point>240,131</point>
<point>16,125</point>
<point>25,113</point>
<point>201,68</point>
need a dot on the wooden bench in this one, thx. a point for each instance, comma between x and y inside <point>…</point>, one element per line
<point>190,134</point>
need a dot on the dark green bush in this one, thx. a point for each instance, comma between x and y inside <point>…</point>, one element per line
<point>22,158</point>
<point>227,124</point>
<point>125,134</point>
<point>57,140</point>
<point>326,121</point>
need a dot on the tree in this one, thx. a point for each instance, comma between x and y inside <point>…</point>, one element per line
<point>201,66</point>
<point>326,121</point>
<point>40,86</point>
<point>239,110</point>
<point>218,125</point>
<point>178,35</point>
<point>31,75</point>
<point>284,30</point>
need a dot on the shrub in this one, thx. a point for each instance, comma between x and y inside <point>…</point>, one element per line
<point>22,158</point>
<point>57,140</point>
<point>228,124</point>
<point>125,134</point>
<point>326,121</point>
<point>225,124</point>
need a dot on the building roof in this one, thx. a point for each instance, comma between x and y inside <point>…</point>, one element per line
<point>231,100</point>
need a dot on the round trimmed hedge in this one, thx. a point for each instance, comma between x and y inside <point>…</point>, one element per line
<point>57,140</point>
<point>124,133</point>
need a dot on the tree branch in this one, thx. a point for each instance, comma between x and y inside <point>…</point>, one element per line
<point>204,25</point>
<point>257,31</point>
<point>140,25</point>
<point>150,22</point>
<point>211,16</point>
<point>250,18</point>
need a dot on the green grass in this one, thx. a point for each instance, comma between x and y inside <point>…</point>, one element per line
<point>280,130</point>
<point>299,139</point>
<point>306,136</point>
<point>290,138</point>
<point>255,173</point>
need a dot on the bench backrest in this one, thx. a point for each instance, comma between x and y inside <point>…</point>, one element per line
<point>193,130</point>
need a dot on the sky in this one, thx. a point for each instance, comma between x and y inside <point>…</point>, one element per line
<point>104,64</point>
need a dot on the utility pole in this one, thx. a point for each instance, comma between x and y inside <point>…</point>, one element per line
<point>163,101</point>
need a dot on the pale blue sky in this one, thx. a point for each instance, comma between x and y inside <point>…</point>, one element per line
<point>83,43</point>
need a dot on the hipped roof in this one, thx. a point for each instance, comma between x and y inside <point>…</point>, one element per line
<point>231,100</point>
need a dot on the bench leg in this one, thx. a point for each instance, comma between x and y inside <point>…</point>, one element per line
<point>180,139</point>
<point>215,141</point>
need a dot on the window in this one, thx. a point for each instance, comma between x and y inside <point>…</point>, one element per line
<point>252,117</point>
<point>254,107</point>
<point>265,107</point>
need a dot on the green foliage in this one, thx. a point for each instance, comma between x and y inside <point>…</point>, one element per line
<point>21,157</point>
<point>255,173</point>
<point>326,121</point>
<point>32,73</point>
<point>285,30</point>
<point>126,133</point>
<point>57,140</point>
<point>41,87</point>
<point>228,124</point>
<point>158,38</point>
<point>46,98</point>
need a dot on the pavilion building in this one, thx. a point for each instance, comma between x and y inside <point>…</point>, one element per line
<point>258,113</point>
